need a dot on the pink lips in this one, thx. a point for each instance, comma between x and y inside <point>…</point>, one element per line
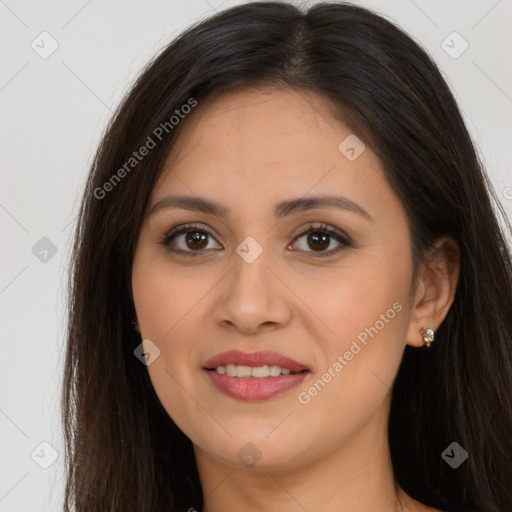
<point>254,389</point>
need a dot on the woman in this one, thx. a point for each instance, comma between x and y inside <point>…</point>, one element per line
<point>290,290</point>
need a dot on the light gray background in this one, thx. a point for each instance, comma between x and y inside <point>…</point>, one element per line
<point>53,112</point>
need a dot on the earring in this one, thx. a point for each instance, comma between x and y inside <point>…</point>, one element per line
<point>428,335</point>
<point>136,326</point>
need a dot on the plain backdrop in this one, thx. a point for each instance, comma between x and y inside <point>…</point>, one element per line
<point>53,111</point>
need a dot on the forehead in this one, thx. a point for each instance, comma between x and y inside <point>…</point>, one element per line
<point>262,124</point>
<point>262,143</point>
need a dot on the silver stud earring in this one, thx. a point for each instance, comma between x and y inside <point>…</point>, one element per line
<point>428,335</point>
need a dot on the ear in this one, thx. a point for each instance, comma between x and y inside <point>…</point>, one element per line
<point>435,290</point>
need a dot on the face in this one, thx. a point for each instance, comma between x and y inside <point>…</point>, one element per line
<point>303,253</point>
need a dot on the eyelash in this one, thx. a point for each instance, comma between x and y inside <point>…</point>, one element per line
<point>342,239</point>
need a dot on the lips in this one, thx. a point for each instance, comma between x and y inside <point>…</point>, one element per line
<point>262,358</point>
<point>254,389</point>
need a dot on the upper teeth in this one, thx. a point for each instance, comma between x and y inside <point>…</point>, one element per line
<point>235,370</point>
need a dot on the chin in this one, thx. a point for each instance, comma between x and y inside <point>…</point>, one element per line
<point>255,449</point>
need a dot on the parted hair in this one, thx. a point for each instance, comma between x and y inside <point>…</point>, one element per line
<point>123,451</point>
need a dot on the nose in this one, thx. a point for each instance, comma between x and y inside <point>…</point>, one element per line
<point>251,298</point>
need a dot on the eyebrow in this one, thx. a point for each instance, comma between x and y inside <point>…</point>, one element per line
<point>282,209</point>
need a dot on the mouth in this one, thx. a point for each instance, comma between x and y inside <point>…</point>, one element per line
<point>252,372</point>
<point>254,376</point>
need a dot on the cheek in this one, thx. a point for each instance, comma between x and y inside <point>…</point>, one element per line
<point>365,310</point>
<point>360,360</point>
<point>164,295</point>
<point>168,307</point>
<point>166,312</point>
<point>353,298</point>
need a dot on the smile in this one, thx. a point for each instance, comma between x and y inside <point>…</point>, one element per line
<point>255,372</point>
<point>254,376</point>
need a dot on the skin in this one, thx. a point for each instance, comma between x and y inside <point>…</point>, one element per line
<point>250,149</point>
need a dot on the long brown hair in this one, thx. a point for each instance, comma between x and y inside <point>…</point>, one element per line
<point>123,451</point>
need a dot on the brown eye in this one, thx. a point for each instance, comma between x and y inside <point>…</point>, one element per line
<point>196,240</point>
<point>190,239</point>
<point>321,240</point>
<point>318,241</point>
